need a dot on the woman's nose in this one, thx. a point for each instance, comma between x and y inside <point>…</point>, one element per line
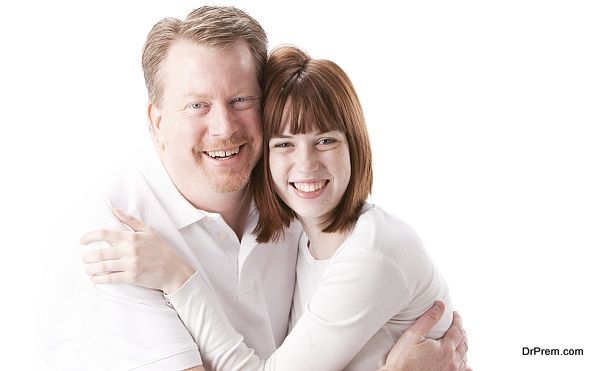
<point>307,160</point>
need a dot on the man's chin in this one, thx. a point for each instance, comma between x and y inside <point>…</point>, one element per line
<point>232,183</point>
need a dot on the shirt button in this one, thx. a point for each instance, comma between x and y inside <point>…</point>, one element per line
<point>222,235</point>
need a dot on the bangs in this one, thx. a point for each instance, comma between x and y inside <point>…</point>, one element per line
<point>305,107</point>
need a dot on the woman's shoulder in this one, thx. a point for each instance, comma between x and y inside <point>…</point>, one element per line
<point>384,228</point>
<point>385,234</point>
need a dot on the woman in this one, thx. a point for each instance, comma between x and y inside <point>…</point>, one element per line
<point>362,274</point>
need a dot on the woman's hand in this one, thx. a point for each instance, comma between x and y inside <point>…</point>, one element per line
<point>138,257</point>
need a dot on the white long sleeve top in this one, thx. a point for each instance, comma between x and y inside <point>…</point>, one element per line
<point>348,310</point>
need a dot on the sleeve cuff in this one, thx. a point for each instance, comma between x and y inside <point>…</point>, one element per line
<point>184,290</point>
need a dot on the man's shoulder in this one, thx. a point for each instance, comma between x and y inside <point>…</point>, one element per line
<point>129,191</point>
<point>126,178</point>
<point>125,190</point>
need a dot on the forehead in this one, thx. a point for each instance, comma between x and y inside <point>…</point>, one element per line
<point>208,70</point>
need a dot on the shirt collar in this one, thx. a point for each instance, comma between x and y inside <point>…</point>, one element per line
<point>179,210</point>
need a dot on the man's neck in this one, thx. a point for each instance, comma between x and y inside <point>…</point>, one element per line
<point>232,206</point>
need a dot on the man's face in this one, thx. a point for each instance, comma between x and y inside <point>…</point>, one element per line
<point>208,130</point>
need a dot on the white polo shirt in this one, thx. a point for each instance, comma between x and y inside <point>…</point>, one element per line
<point>348,310</point>
<point>126,327</point>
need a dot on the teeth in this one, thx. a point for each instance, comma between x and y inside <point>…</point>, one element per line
<point>223,153</point>
<point>309,187</point>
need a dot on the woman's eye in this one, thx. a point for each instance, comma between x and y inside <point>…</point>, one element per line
<point>326,141</point>
<point>282,145</point>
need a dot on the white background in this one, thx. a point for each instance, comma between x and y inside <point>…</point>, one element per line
<point>483,118</point>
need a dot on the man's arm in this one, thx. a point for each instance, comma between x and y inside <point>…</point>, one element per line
<point>413,352</point>
<point>125,326</point>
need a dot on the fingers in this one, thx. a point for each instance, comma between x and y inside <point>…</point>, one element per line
<point>455,342</point>
<point>115,277</point>
<point>109,253</point>
<point>453,337</point>
<point>461,350</point>
<point>465,341</point>
<point>130,221</point>
<point>115,236</point>
<point>108,266</point>
<point>425,323</point>
<point>111,236</point>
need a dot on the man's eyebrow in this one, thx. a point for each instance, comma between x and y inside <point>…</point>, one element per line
<point>247,96</point>
<point>192,94</point>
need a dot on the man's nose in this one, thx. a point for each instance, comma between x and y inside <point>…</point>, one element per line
<point>223,122</point>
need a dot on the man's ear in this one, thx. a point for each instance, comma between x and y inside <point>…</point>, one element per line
<point>154,117</point>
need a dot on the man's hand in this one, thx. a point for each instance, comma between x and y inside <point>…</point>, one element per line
<point>138,257</point>
<point>412,352</point>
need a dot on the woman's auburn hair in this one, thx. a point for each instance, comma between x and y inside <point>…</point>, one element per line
<point>319,96</point>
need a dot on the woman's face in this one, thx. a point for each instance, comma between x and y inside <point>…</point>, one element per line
<point>310,171</point>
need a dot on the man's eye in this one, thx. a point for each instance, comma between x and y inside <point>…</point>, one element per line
<point>242,102</point>
<point>202,107</point>
<point>198,108</point>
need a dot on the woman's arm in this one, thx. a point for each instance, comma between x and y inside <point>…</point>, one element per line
<point>139,257</point>
<point>356,297</point>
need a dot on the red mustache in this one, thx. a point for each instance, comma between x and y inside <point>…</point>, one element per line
<point>236,140</point>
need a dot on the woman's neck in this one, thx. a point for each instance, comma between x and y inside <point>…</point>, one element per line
<point>321,245</point>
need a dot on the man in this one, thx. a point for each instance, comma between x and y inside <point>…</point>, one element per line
<point>204,80</point>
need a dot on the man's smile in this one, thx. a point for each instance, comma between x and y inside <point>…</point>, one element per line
<point>223,154</point>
